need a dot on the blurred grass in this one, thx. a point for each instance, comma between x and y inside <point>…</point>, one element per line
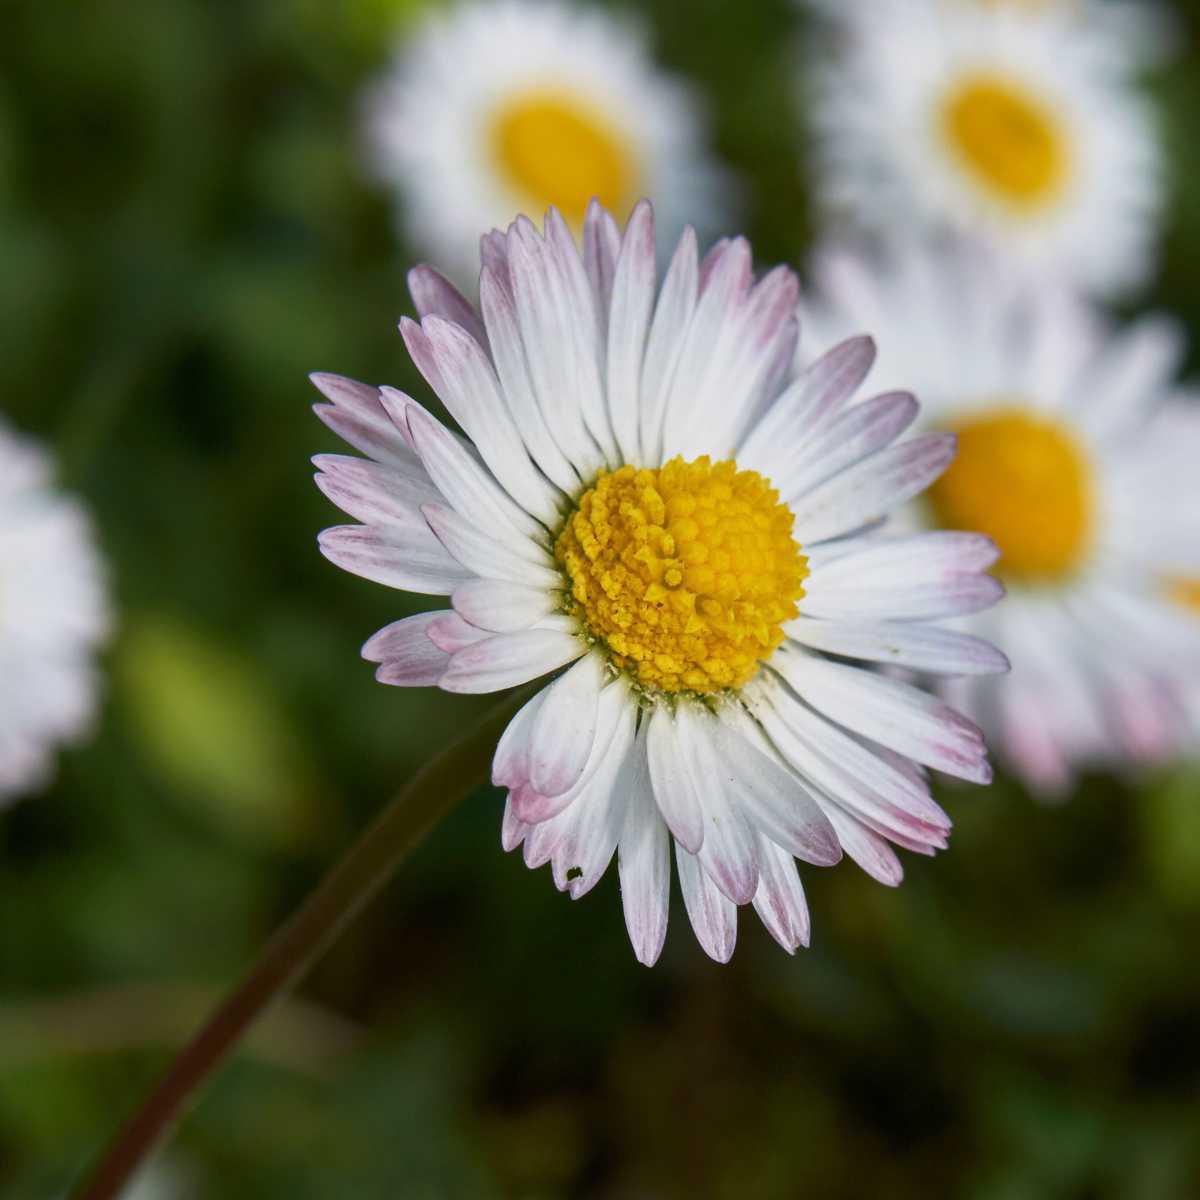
<point>183,236</point>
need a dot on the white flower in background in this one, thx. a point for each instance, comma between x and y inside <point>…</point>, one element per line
<point>1176,434</point>
<point>651,503</point>
<point>1016,122</point>
<point>516,105</point>
<point>1060,463</point>
<point>53,615</point>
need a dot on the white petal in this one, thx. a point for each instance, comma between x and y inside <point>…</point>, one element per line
<point>435,296</point>
<point>811,398</point>
<point>704,344</point>
<point>508,659</point>
<point>857,432</point>
<point>953,595</point>
<point>357,417</point>
<point>644,862</point>
<point>868,849</point>
<point>628,325</point>
<point>676,790</point>
<point>757,334</point>
<point>565,729</point>
<point>872,488</point>
<point>713,916</point>
<point>410,563</point>
<point>894,562</point>
<point>500,313</point>
<point>512,831</point>
<point>615,719</point>
<point>449,632</point>
<point>917,647</point>
<point>601,245</point>
<point>375,494</point>
<point>867,779</point>
<point>485,555</point>
<point>465,484</point>
<point>584,330</point>
<point>895,714</point>
<point>510,763</point>
<point>583,839</point>
<point>729,851</point>
<point>408,657</point>
<point>551,351</point>
<point>501,606</point>
<point>471,393</point>
<point>780,901</point>
<point>672,315</point>
<point>774,800</point>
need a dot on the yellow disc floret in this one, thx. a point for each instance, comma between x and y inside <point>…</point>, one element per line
<point>684,573</point>
<point>1009,140</point>
<point>1023,480</point>
<point>556,149</point>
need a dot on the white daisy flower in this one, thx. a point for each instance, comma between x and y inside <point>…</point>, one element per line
<point>515,105</point>
<point>653,504</point>
<point>1177,435</point>
<point>1016,122</point>
<point>1060,463</point>
<point>53,615</point>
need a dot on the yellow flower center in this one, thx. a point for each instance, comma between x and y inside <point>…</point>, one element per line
<point>1185,592</point>
<point>1009,140</point>
<point>554,148</point>
<point>1023,480</point>
<point>685,573</point>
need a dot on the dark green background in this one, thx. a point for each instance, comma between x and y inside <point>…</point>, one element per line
<point>184,234</point>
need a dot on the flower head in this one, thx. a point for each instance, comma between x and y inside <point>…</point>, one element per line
<point>1062,464</point>
<point>498,106</point>
<point>53,615</point>
<point>1016,122</point>
<point>653,503</point>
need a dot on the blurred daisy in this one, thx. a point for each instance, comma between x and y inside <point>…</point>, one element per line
<point>1176,432</point>
<point>53,614</point>
<point>515,105</point>
<point>1017,122</point>
<point>1059,462</point>
<point>651,504</point>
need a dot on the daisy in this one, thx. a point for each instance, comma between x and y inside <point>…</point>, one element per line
<point>1017,122</point>
<point>53,615</point>
<point>1177,435</point>
<point>1060,463</point>
<point>653,505</point>
<point>512,106</point>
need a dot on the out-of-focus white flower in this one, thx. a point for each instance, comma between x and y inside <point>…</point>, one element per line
<point>53,615</point>
<point>506,106</point>
<point>1016,122</point>
<point>1061,463</point>
<point>1176,435</point>
<point>654,501</point>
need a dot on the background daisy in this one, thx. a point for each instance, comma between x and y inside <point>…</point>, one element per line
<point>660,507</point>
<point>1059,463</point>
<point>509,106</point>
<point>1020,123</point>
<point>53,615</point>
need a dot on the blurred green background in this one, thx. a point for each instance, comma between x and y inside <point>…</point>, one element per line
<point>184,234</point>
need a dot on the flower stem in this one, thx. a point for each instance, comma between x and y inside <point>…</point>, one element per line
<point>296,946</point>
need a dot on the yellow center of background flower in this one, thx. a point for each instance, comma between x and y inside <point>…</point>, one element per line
<point>555,149</point>
<point>1009,140</point>
<point>1186,592</point>
<point>1024,481</point>
<point>685,573</point>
